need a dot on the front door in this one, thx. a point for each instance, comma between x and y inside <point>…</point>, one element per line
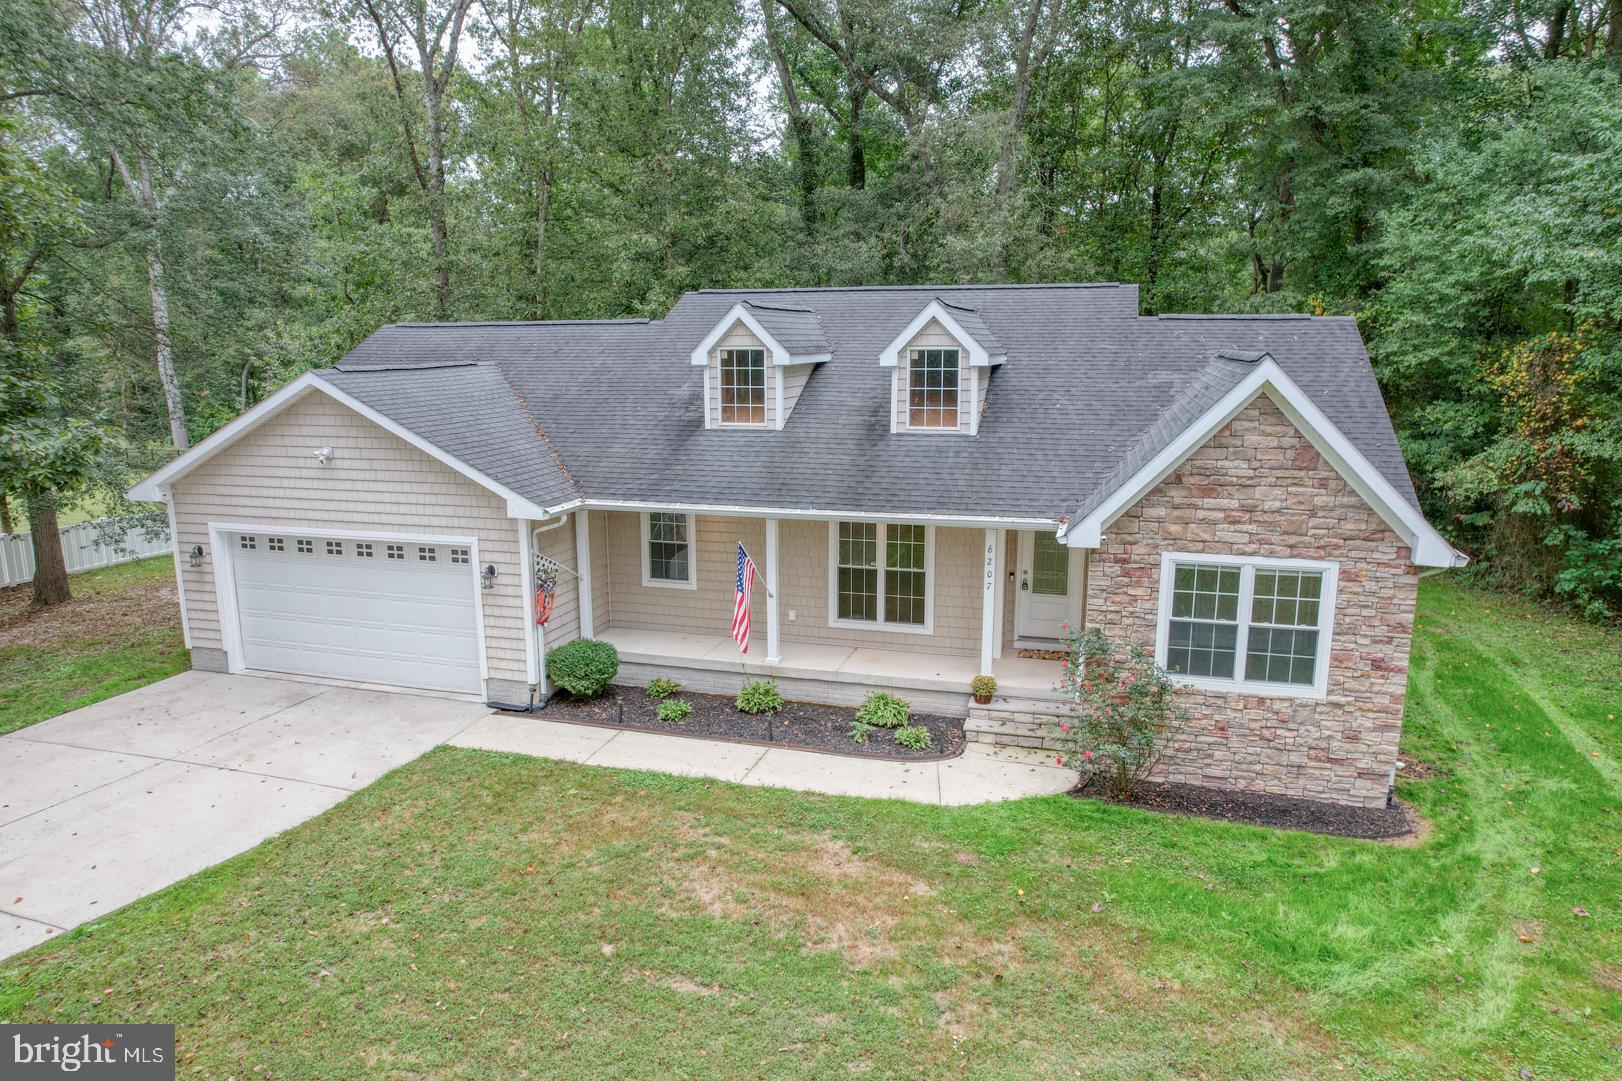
<point>1042,604</point>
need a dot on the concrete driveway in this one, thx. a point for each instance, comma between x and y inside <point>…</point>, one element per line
<point>108,803</point>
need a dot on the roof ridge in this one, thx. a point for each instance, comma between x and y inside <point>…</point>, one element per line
<point>432,366</point>
<point>913,288</point>
<point>455,324</point>
<point>1293,316</point>
<point>780,308</point>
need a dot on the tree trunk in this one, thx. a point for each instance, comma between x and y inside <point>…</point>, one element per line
<point>6,523</point>
<point>543,215</point>
<point>436,202</point>
<point>1613,32</point>
<point>799,124</point>
<point>1557,31</point>
<point>161,341</point>
<point>50,568</point>
<point>857,177</point>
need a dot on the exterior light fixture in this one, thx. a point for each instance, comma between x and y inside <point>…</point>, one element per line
<point>323,455</point>
<point>488,576</point>
<point>196,555</point>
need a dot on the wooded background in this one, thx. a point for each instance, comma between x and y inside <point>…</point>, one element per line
<point>198,201</point>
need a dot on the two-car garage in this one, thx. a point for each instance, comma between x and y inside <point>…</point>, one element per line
<point>374,608</point>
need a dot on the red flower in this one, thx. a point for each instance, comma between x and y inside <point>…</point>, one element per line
<point>1064,728</point>
<point>1087,754</point>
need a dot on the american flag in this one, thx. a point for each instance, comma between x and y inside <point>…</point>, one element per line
<point>740,607</point>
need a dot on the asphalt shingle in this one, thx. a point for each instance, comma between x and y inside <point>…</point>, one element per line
<point>614,410</point>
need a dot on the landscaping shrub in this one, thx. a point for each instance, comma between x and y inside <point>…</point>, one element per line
<point>672,710</point>
<point>761,696</point>
<point>860,730</point>
<point>983,686</point>
<point>663,688</point>
<point>883,711</point>
<point>914,737</point>
<point>583,667</point>
<point>1122,710</point>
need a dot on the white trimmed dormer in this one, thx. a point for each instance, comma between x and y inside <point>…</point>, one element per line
<point>942,361</point>
<point>756,362</point>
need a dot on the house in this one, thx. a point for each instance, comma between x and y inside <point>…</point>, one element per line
<point>933,481</point>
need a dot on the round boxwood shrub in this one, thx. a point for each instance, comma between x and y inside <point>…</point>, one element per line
<point>583,667</point>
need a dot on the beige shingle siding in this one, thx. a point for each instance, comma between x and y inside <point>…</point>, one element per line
<point>933,336</point>
<point>564,625</point>
<point>741,337</point>
<point>794,377</point>
<point>802,585</point>
<point>602,575</point>
<point>375,482</point>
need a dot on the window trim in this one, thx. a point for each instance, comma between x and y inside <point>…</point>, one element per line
<point>957,376</point>
<point>692,552</point>
<point>766,420</point>
<point>1248,566</point>
<point>881,624</point>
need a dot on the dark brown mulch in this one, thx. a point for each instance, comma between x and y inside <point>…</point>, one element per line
<point>804,725</point>
<point>1259,809</point>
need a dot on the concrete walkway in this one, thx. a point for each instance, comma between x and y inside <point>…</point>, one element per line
<point>108,803</point>
<point>979,775</point>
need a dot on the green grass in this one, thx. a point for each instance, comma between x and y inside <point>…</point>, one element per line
<point>478,915</point>
<point>121,630</point>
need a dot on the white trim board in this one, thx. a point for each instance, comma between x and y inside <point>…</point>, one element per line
<point>1248,566</point>
<point>151,490</point>
<point>889,356</point>
<point>1427,547</point>
<point>740,313</point>
<point>225,582</point>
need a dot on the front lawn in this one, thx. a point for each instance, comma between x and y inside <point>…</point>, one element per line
<point>477,915</point>
<point>121,630</point>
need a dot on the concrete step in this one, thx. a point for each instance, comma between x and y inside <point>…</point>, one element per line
<point>1009,729</point>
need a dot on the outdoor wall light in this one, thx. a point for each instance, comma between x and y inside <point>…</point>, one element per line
<point>488,576</point>
<point>323,455</point>
<point>196,555</point>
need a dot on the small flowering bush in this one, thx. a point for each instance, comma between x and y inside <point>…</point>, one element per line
<point>1122,711</point>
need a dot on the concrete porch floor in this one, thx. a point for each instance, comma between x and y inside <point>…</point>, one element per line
<point>843,664</point>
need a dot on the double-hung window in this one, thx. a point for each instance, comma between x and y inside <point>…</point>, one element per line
<point>743,386</point>
<point>1247,624</point>
<point>879,575</point>
<point>667,550</point>
<point>932,388</point>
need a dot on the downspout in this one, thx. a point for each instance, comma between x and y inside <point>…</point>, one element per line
<point>539,631</point>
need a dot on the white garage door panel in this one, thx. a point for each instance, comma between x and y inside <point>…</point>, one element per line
<point>405,622</point>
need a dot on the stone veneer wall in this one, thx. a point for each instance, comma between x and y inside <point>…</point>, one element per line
<point>1258,487</point>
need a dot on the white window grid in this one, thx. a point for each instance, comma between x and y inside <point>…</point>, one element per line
<point>427,554</point>
<point>335,548</point>
<point>247,543</point>
<point>396,551</point>
<point>669,550</point>
<point>743,386</point>
<point>306,547</point>
<point>461,556</point>
<point>1246,633</point>
<point>881,576</point>
<point>276,544</point>
<point>932,388</point>
<point>363,549</point>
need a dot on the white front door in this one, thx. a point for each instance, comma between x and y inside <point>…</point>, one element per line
<point>395,612</point>
<point>1042,600</point>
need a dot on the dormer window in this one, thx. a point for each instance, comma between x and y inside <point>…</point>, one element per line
<point>942,363</point>
<point>743,386</point>
<point>756,362</point>
<point>932,388</point>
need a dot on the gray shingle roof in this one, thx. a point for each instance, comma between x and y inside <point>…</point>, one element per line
<point>1088,386</point>
<point>796,329</point>
<point>975,327</point>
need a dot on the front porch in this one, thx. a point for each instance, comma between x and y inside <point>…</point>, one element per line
<point>835,674</point>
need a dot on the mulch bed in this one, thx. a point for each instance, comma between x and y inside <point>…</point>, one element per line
<point>802,725</point>
<point>1259,809</point>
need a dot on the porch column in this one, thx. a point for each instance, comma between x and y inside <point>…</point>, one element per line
<point>582,559</point>
<point>774,646</point>
<point>990,617</point>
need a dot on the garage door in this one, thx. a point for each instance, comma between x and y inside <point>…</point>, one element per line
<point>394,612</point>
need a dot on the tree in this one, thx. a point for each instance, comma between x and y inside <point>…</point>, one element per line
<point>407,29</point>
<point>44,451</point>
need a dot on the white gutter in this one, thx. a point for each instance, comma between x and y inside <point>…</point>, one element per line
<point>967,521</point>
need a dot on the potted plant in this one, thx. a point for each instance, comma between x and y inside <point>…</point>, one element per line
<point>983,687</point>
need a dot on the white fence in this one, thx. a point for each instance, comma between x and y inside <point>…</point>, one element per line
<point>82,548</point>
